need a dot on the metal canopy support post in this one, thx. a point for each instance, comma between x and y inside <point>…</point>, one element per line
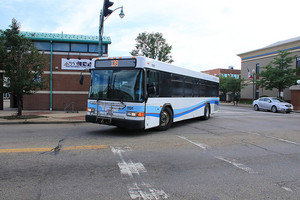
<point>51,65</point>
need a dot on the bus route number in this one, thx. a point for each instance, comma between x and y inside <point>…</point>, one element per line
<point>114,63</point>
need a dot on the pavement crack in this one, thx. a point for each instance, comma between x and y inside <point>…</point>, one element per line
<point>56,149</point>
<point>255,145</point>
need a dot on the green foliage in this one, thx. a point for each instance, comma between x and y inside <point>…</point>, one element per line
<point>22,63</point>
<point>152,45</point>
<point>278,73</point>
<point>231,84</point>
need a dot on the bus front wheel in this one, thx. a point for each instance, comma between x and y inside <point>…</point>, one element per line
<point>166,119</point>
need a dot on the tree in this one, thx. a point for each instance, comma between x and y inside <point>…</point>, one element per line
<point>278,73</point>
<point>22,64</point>
<point>231,84</point>
<point>152,45</point>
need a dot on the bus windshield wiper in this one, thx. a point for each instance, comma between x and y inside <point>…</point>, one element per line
<point>121,101</point>
<point>113,85</point>
<point>108,88</point>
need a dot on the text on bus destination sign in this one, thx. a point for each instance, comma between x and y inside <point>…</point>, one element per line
<point>116,63</point>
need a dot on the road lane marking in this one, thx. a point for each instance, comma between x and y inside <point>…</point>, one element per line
<point>287,189</point>
<point>146,192</point>
<point>238,165</point>
<point>202,146</point>
<point>133,174</point>
<point>232,162</point>
<point>28,150</point>
<point>85,147</point>
<point>25,150</point>
<point>283,140</point>
<point>276,138</point>
<point>130,168</point>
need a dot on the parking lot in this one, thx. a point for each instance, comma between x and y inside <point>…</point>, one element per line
<point>237,154</point>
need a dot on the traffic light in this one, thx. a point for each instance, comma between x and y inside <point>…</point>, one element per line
<point>106,5</point>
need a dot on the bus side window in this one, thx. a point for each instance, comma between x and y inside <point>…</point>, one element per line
<point>165,89</point>
<point>188,87</point>
<point>152,83</point>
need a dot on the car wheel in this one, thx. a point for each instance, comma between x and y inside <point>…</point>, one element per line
<point>166,119</point>
<point>206,115</point>
<point>274,109</point>
<point>256,108</point>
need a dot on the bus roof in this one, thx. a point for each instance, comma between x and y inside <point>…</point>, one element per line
<point>148,63</point>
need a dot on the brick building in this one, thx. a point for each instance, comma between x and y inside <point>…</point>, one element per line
<point>236,73</point>
<point>224,72</point>
<point>67,57</point>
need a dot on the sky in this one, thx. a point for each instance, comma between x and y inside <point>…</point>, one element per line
<point>204,34</point>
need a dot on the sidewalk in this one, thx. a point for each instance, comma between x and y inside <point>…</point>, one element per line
<point>49,117</point>
<point>238,105</point>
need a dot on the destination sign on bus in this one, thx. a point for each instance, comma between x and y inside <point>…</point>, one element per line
<point>116,63</point>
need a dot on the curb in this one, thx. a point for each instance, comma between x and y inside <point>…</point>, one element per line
<point>42,122</point>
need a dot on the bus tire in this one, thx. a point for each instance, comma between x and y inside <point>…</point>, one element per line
<point>206,115</point>
<point>165,119</point>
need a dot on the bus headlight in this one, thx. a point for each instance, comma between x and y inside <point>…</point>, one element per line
<point>135,114</point>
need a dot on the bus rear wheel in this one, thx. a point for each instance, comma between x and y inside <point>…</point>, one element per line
<point>166,119</point>
<point>206,115</point>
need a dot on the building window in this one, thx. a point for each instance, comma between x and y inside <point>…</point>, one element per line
<point>93,48</point>
<point>43,46</point>
<point>61,46</point>
<point>104,49</point>
<point>75,47</point>
<point>257,68</point>
<point>298,62</point>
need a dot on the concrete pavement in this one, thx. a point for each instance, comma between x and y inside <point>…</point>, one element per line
<point>43,117</point>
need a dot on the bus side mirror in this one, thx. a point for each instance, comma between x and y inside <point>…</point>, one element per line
<point>81,79</point>
<point>151,90</point>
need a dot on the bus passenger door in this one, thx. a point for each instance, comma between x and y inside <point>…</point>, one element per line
<point>152,113</point>
<point>152,105</point>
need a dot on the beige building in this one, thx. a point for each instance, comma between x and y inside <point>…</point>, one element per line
<point>256,59</point>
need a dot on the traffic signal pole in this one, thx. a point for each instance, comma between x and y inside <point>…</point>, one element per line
<point>105,12</point>
<point>100,49</point>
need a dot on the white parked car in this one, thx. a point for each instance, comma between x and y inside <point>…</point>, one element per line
<point>273,104</point>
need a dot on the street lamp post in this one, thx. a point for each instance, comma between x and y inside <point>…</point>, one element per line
<point>253,76</point>
<point>105,12</point>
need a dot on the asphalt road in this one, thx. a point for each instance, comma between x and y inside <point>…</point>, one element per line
<point>237,154</point>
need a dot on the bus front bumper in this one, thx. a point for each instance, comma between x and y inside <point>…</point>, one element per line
<point>124,123</point>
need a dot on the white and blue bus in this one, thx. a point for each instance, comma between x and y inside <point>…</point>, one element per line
<point>142,93</point>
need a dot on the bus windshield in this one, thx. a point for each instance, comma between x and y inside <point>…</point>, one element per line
<point>117,84</point>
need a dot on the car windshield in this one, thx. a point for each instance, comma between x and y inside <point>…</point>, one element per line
<point>277,100</point>
<point>121,85</point>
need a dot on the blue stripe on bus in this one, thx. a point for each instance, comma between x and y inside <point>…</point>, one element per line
<point>184,111</point>
<point>188,111</point>
<point>194,108</point>
<point>152,114</point>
